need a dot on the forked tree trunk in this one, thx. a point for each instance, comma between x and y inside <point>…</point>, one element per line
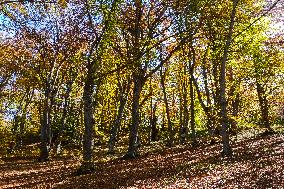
<point>117,122</point>
<point>208,112</point>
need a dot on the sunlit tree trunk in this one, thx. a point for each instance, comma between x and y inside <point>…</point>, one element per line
<point>227,150</point>
<point>192,110</point>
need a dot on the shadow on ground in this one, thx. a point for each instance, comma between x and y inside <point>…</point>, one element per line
<point>256,163</point>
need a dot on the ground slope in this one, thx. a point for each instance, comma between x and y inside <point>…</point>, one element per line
<point>256,163</point>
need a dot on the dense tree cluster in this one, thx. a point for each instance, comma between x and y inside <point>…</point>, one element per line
<point>94,71</point>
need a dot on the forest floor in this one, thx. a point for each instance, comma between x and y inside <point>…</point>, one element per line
<point>257,162</point>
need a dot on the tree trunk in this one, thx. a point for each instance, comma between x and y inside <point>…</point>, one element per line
<point>170,128</point>
<point>45,132</point>
<point>185,117</point>
<point>181,117</point>
<point>208,112</point>
<point>19,143</point>
<point>235,111</point>
<point>133,135</point>
<point>192,111</point>
<point>263,103</point>
<point>210,119</point>
<point>88,143</point>
<point>63,120</point>
<point>227,150</point>
<point>154,129</point>
<point>117,122</point>
<point>15,131</point>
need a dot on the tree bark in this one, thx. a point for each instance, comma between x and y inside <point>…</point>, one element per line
<point>153,123</point>
<point>133,135</point>
<point>116,125</point>
<point>209,108</point>
<point>88,143</point>
<point>192,110</point>
<point>45,132</point>
<point>208,112</point>
<point>185,117</point>
<point>263,103</point>
<point>63,119</point>
<point>235,111</point>
<point>170,127</point>
<point>227,150</point>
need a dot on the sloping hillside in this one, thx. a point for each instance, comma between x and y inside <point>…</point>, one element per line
<point>256,163</point>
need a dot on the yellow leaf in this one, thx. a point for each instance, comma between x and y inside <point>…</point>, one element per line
<point>63,3</point>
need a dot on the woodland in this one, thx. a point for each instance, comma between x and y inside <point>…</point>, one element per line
<point>141,94</point>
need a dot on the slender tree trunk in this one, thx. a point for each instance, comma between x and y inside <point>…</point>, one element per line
<point>170,127</point>
<point>19,141</point>
<point>44,150</point>
<point>207,92</point>
<point>63,119</point>
<point>227,150</point>
<point>163,129</point>
<point>15,131</point>
<point>263,103</point>
<point>192,110</point>
<point>210,119</point>
<point>151,118</point>
<point>181,117</point>
<point>185,118</point>
<point>154,129</point>
<point>208,113</point>
<point>235,111</point>
<point>88,143</point>
<point>45,128</point>
<point>115,128</point>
